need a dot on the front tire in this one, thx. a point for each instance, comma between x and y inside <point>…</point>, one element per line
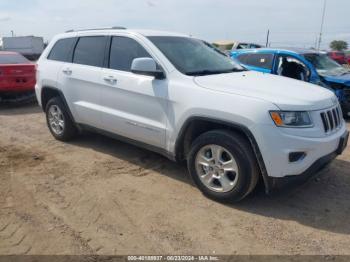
<point>223,165</point>
<point>58,120</point>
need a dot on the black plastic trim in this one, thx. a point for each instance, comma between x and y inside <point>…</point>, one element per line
<point>61,95</point>
<point>277,184</point>
<point>233,125</point>
<point>128,140</point>
<point>312,171</point>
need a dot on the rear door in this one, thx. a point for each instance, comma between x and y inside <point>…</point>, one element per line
<point>133,105</point>
<point>49,68</point>
<point>81,79</point>
<point>261,62</point>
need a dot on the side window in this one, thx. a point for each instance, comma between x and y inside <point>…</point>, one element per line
<point>258,60</point>
<point>242,46</point>
<point>62,50</point>
<point>123,51</point>
<point>90,51</point>
<point>292,67</point>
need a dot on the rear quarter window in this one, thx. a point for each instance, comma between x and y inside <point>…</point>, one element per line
<point>258,60</point>
<point>61,51</point>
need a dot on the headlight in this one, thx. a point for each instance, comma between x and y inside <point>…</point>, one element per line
<point>291,119</point>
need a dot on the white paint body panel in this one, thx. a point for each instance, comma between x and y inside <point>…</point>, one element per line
<point>154,111</point>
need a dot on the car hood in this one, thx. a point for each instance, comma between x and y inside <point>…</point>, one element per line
<point>342,79</point>
<point>286,93</point>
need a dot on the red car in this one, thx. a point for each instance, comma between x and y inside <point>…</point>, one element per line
<point>338,56</point>
<point>17,77</point>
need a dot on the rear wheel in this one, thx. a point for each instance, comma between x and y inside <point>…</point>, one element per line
<point>58,120</point>
<point>223,165</point>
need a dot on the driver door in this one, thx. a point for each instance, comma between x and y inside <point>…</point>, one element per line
<point>133,105</point>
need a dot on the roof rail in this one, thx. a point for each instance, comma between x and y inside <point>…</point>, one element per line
<point>91,29</point>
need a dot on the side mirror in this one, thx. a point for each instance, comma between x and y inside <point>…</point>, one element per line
<point>146,66</point>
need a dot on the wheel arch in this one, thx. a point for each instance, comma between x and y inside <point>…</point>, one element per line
<point>197,125</point>
<point>48,92</point>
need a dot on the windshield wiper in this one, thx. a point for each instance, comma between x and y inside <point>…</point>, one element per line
<point>213,72</point>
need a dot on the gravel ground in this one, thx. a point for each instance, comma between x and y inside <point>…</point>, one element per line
<point>100,196</point>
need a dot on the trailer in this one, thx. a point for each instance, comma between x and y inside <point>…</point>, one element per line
<point>29,46</point>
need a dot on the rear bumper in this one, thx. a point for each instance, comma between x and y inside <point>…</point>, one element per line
<point>16,89</point>
<point>277,183</point>
<point>10,97</point>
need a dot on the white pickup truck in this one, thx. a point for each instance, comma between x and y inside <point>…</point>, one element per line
<point>180,97</point>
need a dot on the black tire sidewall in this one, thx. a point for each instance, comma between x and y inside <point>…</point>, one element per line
<point>242,157</point>
<point>69,128</point>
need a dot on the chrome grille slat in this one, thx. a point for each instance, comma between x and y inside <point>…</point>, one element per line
<point>332,119</point>
<point>335,117</point>
<point>325,122</point>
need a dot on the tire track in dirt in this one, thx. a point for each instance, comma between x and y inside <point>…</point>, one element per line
<point>82,211</point>
<point>97,196</point>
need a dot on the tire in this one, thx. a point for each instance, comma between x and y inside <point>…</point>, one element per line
<point>66,128</point>
<point>214,180</point>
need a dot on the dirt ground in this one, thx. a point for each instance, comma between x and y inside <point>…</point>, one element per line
<point>100,196</point>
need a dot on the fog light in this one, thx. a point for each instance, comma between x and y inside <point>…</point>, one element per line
<point>296,156</point>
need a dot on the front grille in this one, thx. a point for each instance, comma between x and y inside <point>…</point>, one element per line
<point>332,119</point>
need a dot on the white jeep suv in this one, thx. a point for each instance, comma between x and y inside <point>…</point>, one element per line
<point>180,97</point>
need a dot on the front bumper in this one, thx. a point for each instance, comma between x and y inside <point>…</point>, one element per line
<point>277,144</point>
<point>274,183</point>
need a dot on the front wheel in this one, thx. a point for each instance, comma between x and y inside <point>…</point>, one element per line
<point>223,165</point>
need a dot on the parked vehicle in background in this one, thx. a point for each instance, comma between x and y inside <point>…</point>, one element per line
<point>301,64</point>
<point>228,45</point>
<point>338,56</point>
<point>29,46</point>
<point>178,96</point>
<point>348,59</point>
<point>17,77</point>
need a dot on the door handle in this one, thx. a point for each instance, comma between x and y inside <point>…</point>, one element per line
<point>110,79</point>
<point>67,71</point>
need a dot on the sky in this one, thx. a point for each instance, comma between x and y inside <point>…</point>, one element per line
<point>291,22</point>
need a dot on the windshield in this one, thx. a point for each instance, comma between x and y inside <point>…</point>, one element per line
<point>325,65</point>
<point>12,59</point>
<point>194,57</point>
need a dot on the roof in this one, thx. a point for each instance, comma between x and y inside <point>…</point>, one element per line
<point>156,33</point>
<point>300,51</point>
<point>138,31</point>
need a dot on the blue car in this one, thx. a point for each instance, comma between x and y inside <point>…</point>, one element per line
<point>302,64</point>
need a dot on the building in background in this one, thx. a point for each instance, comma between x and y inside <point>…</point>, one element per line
<point>29,46</point>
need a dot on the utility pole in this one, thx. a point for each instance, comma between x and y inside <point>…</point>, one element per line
<point>316,41</point>
<point>322,23</point>
<point>267,38</point>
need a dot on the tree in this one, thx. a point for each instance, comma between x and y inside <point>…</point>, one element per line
<point>339,45</point>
